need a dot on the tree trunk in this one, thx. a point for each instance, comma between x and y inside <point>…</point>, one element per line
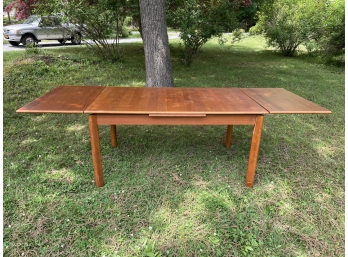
<point>9,18</point>
<point>156,45</point>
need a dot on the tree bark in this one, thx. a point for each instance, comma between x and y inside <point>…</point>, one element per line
<point>9,18</point>
<point>156,45</point>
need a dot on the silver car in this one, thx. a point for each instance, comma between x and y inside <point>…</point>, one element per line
<point>37,28</point>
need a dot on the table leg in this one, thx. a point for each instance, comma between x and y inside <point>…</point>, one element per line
<point>229,136</point>
<point>113,135</point>
<point>254,151</point>
<point>95,144</point>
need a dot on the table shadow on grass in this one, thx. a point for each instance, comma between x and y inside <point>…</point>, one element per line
<point>191,193</point>
<point>169,168</point>
<point>178,180</point>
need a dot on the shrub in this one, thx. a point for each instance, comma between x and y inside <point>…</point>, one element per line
<point>199,21</point>
<point>331,36</point>
<point>319,25</point>
<point>281,22</point>
<point>101,21</point>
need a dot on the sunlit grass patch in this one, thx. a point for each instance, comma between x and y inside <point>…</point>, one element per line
<point>60,175</point>
<point>76,127</point>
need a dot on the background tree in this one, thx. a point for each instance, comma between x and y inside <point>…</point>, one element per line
<point>156,45</point>
<point>319,25</point>
<point>282,23</point>
<point>327,29</point>
<point>247,14</point>
<point>7,10</point>
<point>23,8</point>
<point>101,21</point>
<point>200,20</point>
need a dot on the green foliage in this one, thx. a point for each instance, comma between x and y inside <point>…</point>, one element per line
<point>32,49</point>
<point>103,22</point>
<point>282,23</point>
<point>247,15</point>
<point>236,36</point>
<point>6,2</point>
<point>201,20</point>
<point>319,25</point>
<point>330,35</point>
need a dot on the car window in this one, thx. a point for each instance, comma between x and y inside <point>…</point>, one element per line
<point>45,22</point>
<point>32,20</point>
<point>56,21</point>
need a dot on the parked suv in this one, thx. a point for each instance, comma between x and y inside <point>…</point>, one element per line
<point>37,28</point>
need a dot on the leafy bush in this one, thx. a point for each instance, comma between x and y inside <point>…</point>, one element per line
<point>199,21</point>
<point>330,40</point>
<point>237,35</point>
<point>282,23</point>
<point>100,21</point>
<point>319,25</point>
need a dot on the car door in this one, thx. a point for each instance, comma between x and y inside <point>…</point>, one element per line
<point>57,31</point>
<point>43,30</point>
<point>49,29</point>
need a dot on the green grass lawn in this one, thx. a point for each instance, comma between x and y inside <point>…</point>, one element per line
<point>173,190</point>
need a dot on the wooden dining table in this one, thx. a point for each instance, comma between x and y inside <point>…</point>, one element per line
<point>172,106</point>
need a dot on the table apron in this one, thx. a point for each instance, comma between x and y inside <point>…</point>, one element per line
<point>145,119</point>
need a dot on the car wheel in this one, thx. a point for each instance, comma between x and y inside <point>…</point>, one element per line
<point>28,40</point>
<point>14,43</point>
<point>62,41</point>
<point>76,38</point>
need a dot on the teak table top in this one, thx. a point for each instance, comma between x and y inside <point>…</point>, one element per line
<point>281,101</point>
<point>171,101</point>
<point>118,100</point>
<point>171,106</point>
<point>64,99</point>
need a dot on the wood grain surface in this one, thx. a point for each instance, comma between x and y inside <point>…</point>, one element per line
<point>171,101</point>
<point>64,99</point>
<point>174,101</point>
<point>281,101</point>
